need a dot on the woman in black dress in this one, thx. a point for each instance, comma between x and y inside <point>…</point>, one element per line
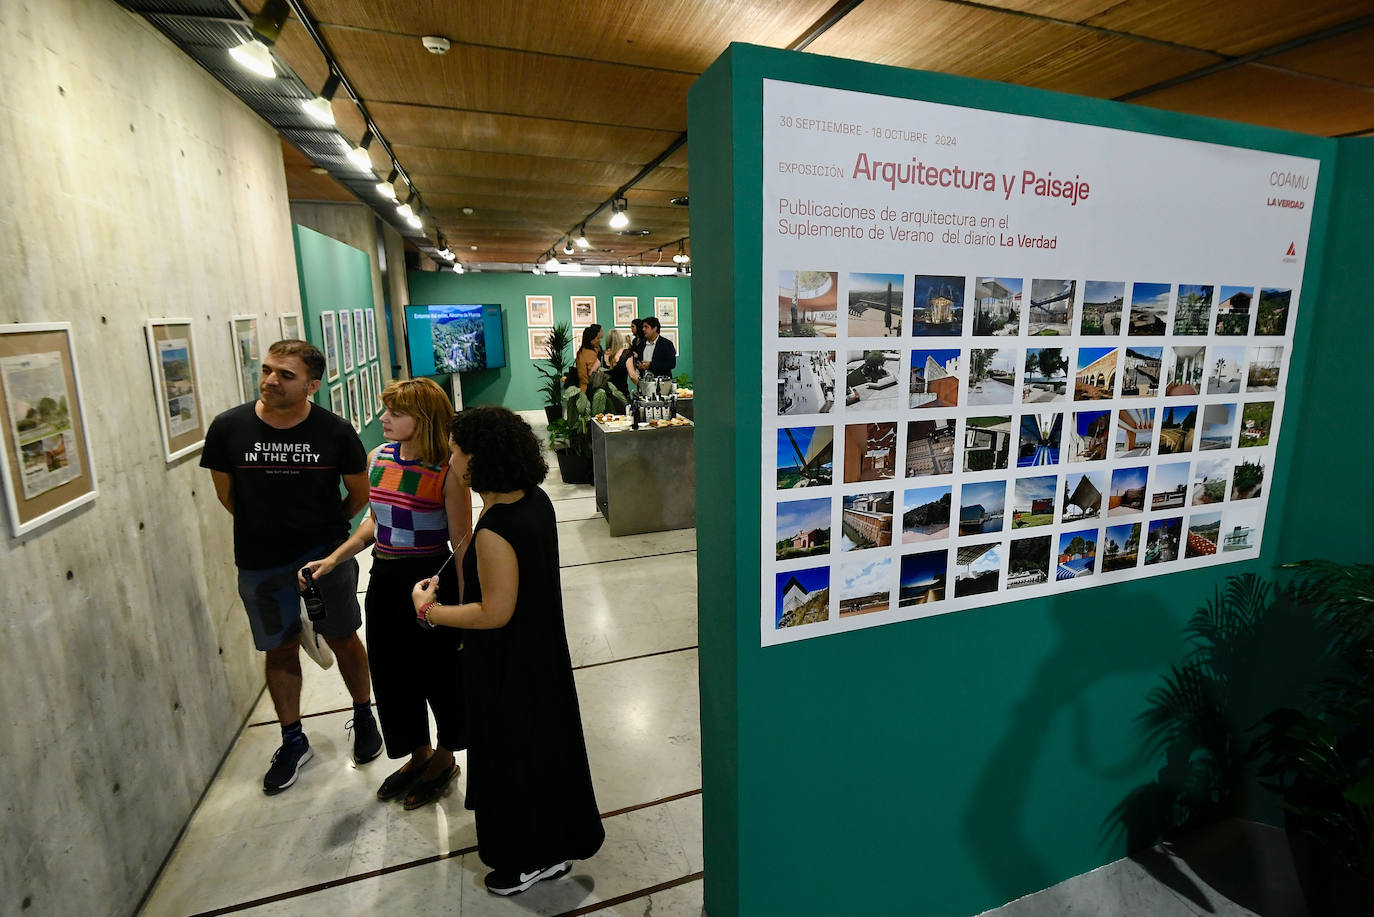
<point>529,782</point>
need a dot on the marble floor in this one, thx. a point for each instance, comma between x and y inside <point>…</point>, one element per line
<point>327,846</point>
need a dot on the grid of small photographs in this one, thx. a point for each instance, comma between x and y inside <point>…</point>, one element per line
<point>941,442</point>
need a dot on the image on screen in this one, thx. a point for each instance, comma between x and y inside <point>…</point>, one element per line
<point>456,333</point>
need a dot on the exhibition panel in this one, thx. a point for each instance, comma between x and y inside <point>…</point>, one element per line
<point>1125,305</point>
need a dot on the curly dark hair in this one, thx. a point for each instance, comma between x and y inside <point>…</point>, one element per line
<point>504,454</point>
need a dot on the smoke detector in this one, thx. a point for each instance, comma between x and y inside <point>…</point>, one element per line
<point>436,44</point>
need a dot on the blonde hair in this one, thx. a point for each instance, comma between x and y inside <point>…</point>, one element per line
<point>614,341</point>
<point>425,401</point>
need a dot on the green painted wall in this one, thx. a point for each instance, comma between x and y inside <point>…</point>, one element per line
<point>1329,503</point>
<point>948,765</point>
<point>517,385</point>
<point>335,276</point>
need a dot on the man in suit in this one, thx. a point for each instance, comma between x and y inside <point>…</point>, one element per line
<point>659,355</point>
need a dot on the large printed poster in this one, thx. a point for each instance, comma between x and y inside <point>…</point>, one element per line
<point>1006,356</point>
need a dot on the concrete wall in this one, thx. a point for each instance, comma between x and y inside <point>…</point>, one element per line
<point>131,186</point>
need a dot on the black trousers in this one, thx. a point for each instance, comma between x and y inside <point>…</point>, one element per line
<point>413,667</point>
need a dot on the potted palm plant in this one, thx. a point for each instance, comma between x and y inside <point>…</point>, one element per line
<point>554,367</point>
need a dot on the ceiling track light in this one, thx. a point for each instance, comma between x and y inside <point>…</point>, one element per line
<point>403,210</point>
<point>568,246</point>
<point>618,218</point>
<point>319,108</point>
<point>387,189</point>
<point>581,239</point>
<point>255,54</point>
<point>681,257</point>
<point>358,155</point>
<point>457,267</point>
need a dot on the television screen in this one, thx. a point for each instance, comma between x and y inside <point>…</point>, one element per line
<point>454,339</point>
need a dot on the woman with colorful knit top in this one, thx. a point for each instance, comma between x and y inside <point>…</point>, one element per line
<point>418,508</point>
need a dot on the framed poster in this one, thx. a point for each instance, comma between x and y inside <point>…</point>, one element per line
<point>377,386</point>
<point>44,455</point>
<point>336,399</point>
<point>290,326</point>
<point>539,343</point>
<point>670,334</point>
<point>355,413</point>
<point>583,310</point>
<point>243,331</point>
<point>539,311</point>
<point>346,340</point>
<point>371,335</point>
<point>360,333</point>
<point>626,309</point>
<point>329,338</point>
<point>665,308</point>
<point>180,413</point>
<point>364,396</point>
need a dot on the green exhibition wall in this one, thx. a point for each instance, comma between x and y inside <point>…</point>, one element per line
<point>517,385</point>
<point>946,766</point>
<point>1329,502</point>
<point>334,276</point>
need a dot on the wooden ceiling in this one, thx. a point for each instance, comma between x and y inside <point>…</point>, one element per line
<point>541,110</point>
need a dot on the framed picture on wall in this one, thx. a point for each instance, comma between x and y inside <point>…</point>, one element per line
<point>360,333</point>
<point>665,307</point>
<point>44,456</point>
<point>626,309</point>
<point>539,343</point>
<point>583,310</point>
<point>291,326</point>
<point>539,311</point>
<point>377,385</point>
<point>346,340</point>
<point>180,412</point>
<point>365,395</point>
<point>329,337</point>
<point>336,399</point>
<point>243,331</point>
<point>371,335</point>
<point>670,334</point>
<point>355,411</point>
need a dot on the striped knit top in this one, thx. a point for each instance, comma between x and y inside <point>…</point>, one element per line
<point>408,502</point>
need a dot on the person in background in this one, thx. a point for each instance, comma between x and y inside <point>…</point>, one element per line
<point>589,355</point>
<point>277,464</point>
<point>419,508</point>
<point>529,781</point>
<point>658,356</point>
<point>637,337</point>
<point>621,360</point>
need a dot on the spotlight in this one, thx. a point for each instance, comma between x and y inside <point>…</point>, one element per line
<point>359,157</point>
<point>319,107</point>
<point>552,263</point>
<point>387,189</point>
<point>404,211</point>
<point>414,221</point>
<point>581,239</point>
<point>568,246</point>
<point>618,218</point>
<point>254,54</point>
<point>681,257</point>
<point>457,267</point>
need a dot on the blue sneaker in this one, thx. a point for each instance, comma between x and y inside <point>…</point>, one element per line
<point>286,764</point>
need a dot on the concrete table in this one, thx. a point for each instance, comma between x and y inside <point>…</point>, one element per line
<point>645,478</point>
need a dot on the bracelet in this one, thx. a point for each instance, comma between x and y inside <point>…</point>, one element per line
<point>423,616</point>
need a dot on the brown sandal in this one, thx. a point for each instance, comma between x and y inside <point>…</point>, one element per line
<point>423,792</point>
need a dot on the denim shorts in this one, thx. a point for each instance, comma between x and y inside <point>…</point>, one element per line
<point>273,602</point>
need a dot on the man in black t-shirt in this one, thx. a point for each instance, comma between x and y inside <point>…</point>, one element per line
<point>277,464</point>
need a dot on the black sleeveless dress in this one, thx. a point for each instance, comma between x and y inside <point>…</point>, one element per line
<point>529,782</point>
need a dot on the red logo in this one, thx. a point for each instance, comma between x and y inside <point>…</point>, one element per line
<point>1291,249</point>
